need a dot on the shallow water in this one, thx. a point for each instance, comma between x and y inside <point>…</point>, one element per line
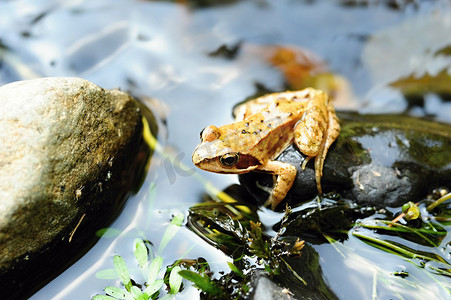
<point>160,49</point>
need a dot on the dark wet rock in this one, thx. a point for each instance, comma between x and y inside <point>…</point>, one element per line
<point>380,160</point>
<point>266,289</point>
<point>287,285</point>
<point>70,152</point>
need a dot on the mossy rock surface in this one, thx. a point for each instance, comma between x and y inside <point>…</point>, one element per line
<point>70,152</point>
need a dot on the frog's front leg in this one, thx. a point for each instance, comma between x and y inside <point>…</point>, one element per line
<point>286,174</point>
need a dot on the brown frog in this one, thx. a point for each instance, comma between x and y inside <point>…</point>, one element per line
<point>263,129</point>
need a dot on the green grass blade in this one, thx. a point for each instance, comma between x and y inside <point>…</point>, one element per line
<point>438,202</point>
<point>387,245</point>
<point>402,228</point>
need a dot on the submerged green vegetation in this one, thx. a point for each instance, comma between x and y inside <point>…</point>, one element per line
<point>150,266</point>
<point>243,238</point>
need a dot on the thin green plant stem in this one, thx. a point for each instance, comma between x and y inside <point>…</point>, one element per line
<point>294,272</point>
<point>435,231</point>
<point>438,202</point>
<point>410,261</point>
<point>374,293</point>
<point>401,228</point>
<point>440,283</point>
<point>332,242</point>
<point>396,248</point>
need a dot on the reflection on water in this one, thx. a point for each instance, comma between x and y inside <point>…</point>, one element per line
<point>161,49</point>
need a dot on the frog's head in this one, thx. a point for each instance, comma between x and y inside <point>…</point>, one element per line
<point>221,155</point>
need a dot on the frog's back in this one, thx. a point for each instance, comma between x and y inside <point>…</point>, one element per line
<point>267,133</point>
<point>251,107</point>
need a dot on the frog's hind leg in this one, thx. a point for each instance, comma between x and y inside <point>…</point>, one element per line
<point>316,131</point>
<point>310,130</point>
<point>305,161</point>
<point>319,163</point>
<point>286,174</point>
<point>332,133</point>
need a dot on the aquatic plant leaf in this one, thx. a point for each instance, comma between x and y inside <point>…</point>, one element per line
<point>178,219</point>
<point>106,274</point>
<point>202,282</point>
<point>171,231</point>
<point>235,270</point>
<point>122,271</point>
<point>118,293</point>
<point>135,292</point>
<point>102,297</point>
<point>108,232</point>
<point>258,245</point>
<point>154,287</point>
<point>143,297</point>
<point>167,297</point>
<point>140,252</point>
<point>154,269</point>
<point>175,280</point>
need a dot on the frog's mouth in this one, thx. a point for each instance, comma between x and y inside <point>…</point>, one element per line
<point>214,165</point>
<point>218,168</point>
<point>214,157</point>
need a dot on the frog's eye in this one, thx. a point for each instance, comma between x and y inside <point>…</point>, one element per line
<point>229,159</point>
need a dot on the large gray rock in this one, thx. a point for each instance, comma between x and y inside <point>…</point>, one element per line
<point>68,152</point>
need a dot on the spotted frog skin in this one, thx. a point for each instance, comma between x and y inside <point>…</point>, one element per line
<point>263,129</point>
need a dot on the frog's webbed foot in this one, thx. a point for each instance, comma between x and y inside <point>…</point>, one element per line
<point>286,174</point>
